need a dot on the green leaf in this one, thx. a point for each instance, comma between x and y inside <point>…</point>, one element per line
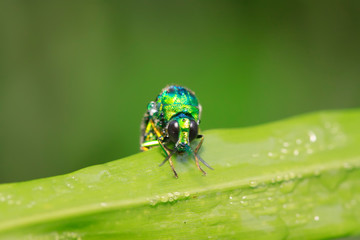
<point>297,179</point>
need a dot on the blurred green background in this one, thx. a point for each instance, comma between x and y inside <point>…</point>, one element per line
<point>76,77</point>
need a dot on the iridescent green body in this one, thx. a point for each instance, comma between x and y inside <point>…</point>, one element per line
<point>173,103</point>
<point>174,100</point>
<point>172,121</point>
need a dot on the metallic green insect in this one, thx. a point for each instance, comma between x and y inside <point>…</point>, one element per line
<point>172,121</point>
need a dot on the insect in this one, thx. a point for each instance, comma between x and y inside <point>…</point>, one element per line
<point>172,122</point>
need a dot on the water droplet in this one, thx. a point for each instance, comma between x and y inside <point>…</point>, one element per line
<point>273,155</point>
<point>253,183</point>
<point>260,188</point>
<point>74,178</point>
<point>287,187</point>
<point>292,175</point>
<point>68,235</point>
<point>301,219</point>
<point>164,199</point>
<point>279,178</point>
<point>316,218</point>
<point>38,188</point>
<point>30,204</point>
<point>176,195</point>
<point>230,197</point>
<point>286,177</point>
<point>244,203</point>
<point>296,152</point>
<point>347,166</point>
<point>154,201</point>
<point>312,136</point>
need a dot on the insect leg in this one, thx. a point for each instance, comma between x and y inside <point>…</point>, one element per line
<point>158,134</point>
<point>200,143</point>
<point>168,154</point>
<point>168,158</point>
<point>196,157</point>
<point>148,144</point>
<point>172,167</point>
<point>198,165</point>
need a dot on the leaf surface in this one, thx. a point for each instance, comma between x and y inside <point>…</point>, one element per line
<point>294,179</point>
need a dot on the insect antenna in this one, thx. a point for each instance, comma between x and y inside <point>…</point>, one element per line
<point>202,160</point>
<point>167,158</point>
<point>198,157</point>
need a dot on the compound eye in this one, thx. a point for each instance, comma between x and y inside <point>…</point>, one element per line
<point>173,131</point>
<point>193,130</point>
